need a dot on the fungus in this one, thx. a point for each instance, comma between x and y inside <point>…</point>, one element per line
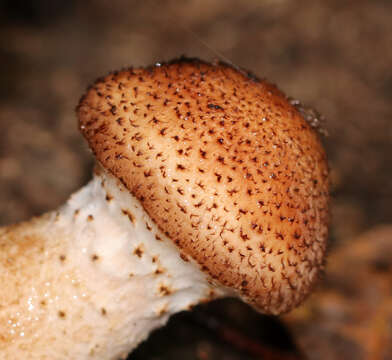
<point>182,209</point>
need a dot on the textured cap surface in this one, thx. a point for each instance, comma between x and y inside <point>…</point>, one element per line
<point>225,166</point>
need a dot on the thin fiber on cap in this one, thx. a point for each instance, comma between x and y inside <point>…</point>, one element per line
<point>225,166</point>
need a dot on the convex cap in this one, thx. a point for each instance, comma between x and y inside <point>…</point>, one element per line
<point>225,166</point>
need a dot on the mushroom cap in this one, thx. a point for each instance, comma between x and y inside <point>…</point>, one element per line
<point>225,166</point>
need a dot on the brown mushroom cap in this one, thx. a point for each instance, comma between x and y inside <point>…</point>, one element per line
<point>225,166</point>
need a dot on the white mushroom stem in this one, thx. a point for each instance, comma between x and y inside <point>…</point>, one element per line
<point>91,280</point>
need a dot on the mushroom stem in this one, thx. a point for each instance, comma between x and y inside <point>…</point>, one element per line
<point>92,279</point>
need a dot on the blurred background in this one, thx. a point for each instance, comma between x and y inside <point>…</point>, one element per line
<point>333,55</point>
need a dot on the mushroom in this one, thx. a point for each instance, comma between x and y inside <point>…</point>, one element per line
<point>208,183</point>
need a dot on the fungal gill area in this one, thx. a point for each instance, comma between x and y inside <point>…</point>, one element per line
<point>91,280</point>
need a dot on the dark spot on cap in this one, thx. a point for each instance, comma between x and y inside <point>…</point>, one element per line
<point>215,106</point>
